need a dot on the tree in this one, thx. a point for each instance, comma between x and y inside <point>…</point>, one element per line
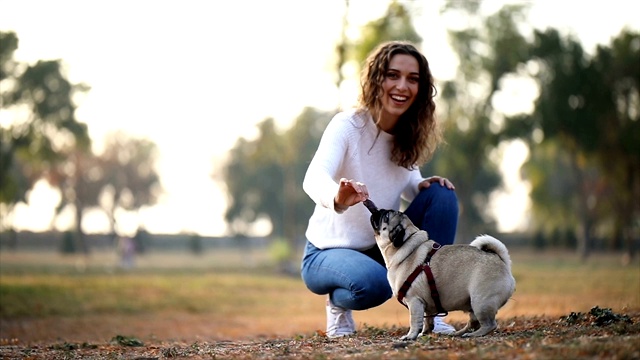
<point>13,182</point>
<point>396,24</point>
<point>126,174</point>
<point>591,106</point>
<point>488,50</point>
<point>45,140</point>
<point>121,177</point>
<point>618,153</point>
<point>44,132</point>
<point>263,176</point>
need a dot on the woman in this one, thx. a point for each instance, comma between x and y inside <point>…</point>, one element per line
<point>374,150</point>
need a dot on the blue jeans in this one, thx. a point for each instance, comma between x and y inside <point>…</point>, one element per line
<point>357,280</point>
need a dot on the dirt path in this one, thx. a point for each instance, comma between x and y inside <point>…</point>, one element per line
<point>600,335</point>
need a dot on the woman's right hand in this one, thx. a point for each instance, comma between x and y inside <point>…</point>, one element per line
<point>350,192</point>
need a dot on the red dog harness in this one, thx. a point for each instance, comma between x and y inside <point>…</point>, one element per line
<point>432,282</point>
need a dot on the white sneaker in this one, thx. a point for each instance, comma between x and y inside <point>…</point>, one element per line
<point>441,327</point>
<point>339,321</point>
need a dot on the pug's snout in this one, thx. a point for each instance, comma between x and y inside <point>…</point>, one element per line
<point>376,218</point>
<point>376,214</point>
<point>371,206</point>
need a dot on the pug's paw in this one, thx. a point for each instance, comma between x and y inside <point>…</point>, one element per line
<point>409,337</point>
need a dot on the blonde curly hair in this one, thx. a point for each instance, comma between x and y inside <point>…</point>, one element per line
<point>416,135</point>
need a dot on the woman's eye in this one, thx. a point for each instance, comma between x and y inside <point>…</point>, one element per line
<point>392,75</point>
<point>414,79</point>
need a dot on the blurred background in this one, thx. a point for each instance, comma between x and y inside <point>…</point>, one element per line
<point>188,126</point>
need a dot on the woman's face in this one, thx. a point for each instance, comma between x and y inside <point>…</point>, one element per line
<point>400,88</point>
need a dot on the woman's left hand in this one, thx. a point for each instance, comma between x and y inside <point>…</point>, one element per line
<point>433,179</point>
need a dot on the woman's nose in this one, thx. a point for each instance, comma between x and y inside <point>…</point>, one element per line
<point>401,84</point>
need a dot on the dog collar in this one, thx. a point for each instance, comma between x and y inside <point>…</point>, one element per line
<point>430,279</point>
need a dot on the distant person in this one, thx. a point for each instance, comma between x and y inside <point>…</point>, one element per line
<point>127,252</point>
<point>140,240</point>
<point>375,149</point>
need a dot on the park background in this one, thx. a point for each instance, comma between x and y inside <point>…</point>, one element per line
<point>187,127</point>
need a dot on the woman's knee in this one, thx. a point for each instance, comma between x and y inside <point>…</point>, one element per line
<point>368,287</point>
<point>435,199</point>
<point>435,210</point>
<point>373,294</point>
<point>438,194</point>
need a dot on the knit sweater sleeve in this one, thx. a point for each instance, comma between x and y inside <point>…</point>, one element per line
<point>321,179</point>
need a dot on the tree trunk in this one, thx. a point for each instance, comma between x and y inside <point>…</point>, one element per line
<point>82,241</point>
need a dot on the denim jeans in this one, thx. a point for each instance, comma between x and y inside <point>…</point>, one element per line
<point>357,280</point>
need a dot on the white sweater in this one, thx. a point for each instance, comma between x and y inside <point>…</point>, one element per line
<point>349,148</point>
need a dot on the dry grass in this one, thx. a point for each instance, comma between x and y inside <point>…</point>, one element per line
<point>223,296</point>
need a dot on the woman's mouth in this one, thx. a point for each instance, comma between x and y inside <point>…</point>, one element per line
<point>399,98</point>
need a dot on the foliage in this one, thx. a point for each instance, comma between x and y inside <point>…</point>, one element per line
<point>15,179</point>
<point>45,140</point>
<point>487,53</point>
<point>125,174</point>
<point>122,177</point>
<point>395,24</point>
<point>45,132</point>
<point>584,135</point>
<point>280,251</point>
<point>263,176</point>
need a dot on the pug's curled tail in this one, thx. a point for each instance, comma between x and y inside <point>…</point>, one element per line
<point>491,244</point>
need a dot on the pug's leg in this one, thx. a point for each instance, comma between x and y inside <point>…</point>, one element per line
<point>428,325</point>
<point>472,324</point>
<point>487,321</point>
<point>416,311</point>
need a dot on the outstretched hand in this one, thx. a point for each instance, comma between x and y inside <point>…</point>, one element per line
<point>350,192</point>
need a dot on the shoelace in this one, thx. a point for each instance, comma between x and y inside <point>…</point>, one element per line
<point>341,320</point>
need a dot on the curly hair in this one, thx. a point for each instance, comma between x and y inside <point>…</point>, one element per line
<point>416,135</point>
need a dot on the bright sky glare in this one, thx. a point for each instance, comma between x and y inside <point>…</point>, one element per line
<point>193,76</point>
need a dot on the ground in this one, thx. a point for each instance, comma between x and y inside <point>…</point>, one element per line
<point>598,334</point>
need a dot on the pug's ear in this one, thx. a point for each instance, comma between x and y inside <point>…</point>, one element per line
<point>397,236</point>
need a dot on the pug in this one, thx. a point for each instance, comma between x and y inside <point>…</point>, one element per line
<point>474,278</point>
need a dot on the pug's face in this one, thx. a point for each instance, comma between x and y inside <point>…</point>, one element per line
<point>390,225</point>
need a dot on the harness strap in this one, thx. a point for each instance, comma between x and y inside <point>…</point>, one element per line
<point>430,280</point>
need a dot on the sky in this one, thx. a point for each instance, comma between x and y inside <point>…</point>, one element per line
<point>193,76</point>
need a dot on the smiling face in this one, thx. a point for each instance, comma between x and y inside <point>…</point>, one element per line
<point>400,88</point>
